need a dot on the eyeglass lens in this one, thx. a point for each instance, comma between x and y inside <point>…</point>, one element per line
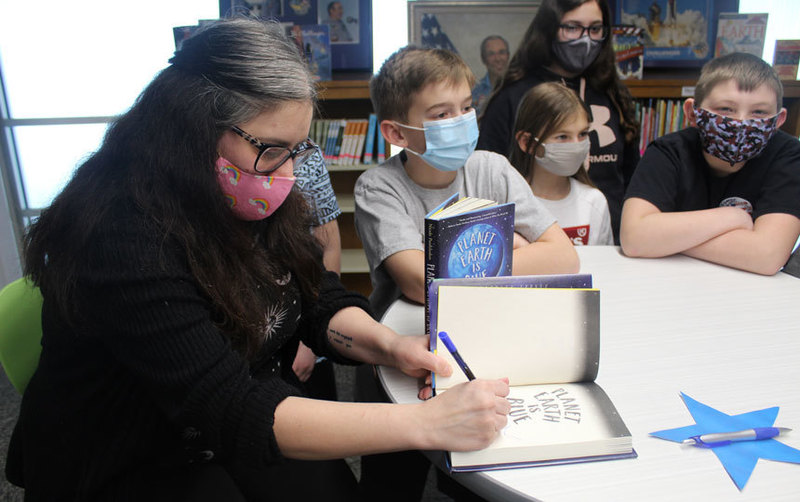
<point>270,159</point>
<point>576,31</point>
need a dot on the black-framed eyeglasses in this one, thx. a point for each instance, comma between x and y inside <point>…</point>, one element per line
<point>271,157</point>
<point>572,31</point>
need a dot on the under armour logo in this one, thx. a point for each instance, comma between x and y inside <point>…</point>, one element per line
<point>600,117</point>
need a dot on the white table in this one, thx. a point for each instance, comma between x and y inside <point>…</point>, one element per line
<point>727,338</point>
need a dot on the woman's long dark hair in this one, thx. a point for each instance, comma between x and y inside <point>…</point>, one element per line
<point>160,157</point>
<point>535,51</point>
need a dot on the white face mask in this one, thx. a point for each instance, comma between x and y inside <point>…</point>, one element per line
<point>563,159</point>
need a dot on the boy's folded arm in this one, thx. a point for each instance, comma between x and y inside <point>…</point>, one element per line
<point>551,253</point>
<point>407,268</point>
<point>646,232</point>
<point>762,250</point>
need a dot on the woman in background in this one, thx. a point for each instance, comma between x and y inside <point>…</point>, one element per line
<point>569,41</point>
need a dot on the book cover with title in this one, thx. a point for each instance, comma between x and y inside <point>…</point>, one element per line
<point>786,58</point>
<point>468,237</point>
<point>628,51</point>
<point>740,33</point>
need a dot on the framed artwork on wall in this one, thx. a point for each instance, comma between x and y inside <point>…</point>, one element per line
<point>462,26</point>
<point>349,22</point>
<point>675,33</point>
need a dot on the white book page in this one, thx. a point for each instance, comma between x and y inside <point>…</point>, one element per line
<point>530,335</point>
<point>554,421</point>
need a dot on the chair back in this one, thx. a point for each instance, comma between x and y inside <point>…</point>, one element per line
<point>20,331</point>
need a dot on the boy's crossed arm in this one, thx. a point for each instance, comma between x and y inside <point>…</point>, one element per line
<point>762,250</point>
<point>724,235</point>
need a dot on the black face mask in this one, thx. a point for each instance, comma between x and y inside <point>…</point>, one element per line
<point>577,55</point>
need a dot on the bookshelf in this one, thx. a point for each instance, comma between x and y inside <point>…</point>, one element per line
<point>682,88</point>
<point>347,96</point>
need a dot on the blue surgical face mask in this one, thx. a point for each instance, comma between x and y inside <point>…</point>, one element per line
<point>448,142</point>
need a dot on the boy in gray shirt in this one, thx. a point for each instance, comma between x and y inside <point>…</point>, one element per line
<point>424,104</point>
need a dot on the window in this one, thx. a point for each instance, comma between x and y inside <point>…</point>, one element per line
<point>70,67</point>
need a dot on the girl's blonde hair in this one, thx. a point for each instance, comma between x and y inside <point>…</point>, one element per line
<point>544,109</point>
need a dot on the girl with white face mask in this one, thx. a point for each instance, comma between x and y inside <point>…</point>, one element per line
<point>551,151</point>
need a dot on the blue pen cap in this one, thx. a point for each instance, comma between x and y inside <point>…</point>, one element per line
<point>447,342</point>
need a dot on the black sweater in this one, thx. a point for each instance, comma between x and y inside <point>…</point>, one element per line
<point>149,380</point>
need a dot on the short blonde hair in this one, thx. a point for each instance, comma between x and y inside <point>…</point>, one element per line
<point>408,71</point>
<point>747,70</point>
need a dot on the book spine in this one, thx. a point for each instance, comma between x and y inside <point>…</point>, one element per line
<point>337,145</point>
<point>370,139</point>
<point>362,134</point>
<point>347,140</point>
<point>381,148</point>
<point>329,141</point>
<point>432,254</point>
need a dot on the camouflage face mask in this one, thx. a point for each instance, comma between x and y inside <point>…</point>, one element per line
<point>734,140</point>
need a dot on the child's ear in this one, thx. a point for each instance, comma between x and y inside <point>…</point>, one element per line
<point>393,133</point>
<point>781,118</point>
<point>523,141</point>
<point>688,112</point>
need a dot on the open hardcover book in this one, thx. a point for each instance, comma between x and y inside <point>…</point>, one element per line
<point>543,333</point>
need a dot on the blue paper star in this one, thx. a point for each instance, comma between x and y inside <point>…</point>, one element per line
<point>738,458</point>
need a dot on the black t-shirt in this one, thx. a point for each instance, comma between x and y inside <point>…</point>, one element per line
<point>674,176</point>
<point>611,160</point>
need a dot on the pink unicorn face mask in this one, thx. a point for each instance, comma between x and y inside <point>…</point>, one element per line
<point>252,197</point>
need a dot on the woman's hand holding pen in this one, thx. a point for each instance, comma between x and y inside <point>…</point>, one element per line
<point>468,416</point>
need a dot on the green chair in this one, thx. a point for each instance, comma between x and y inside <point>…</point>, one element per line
<point>20,331</point>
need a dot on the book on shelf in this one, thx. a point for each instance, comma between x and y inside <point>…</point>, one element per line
<point>338,138</point>
<point>381,155</point>
<point>360,139</point>
<point>341,140</point>
<point>318,132</point>
<point>369,141</point>
<point>740,33</point>
<point>330,141</point>
<point>543,334</point>
<point>628,51</point>
<point>658,117</point>
<point>786,58</point>
<point>316,42</point>
<point>347,141</point>
<point>468,237</point>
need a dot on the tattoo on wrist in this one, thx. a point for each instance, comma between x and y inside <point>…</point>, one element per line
<point>340,338</point>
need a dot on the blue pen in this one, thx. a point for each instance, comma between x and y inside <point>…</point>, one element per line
<point>715,439</point>
<point>452,348</point>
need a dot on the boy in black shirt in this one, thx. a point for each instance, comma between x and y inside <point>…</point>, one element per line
<point>727,189</point>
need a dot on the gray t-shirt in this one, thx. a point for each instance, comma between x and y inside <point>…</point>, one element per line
<point>391,208</point>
